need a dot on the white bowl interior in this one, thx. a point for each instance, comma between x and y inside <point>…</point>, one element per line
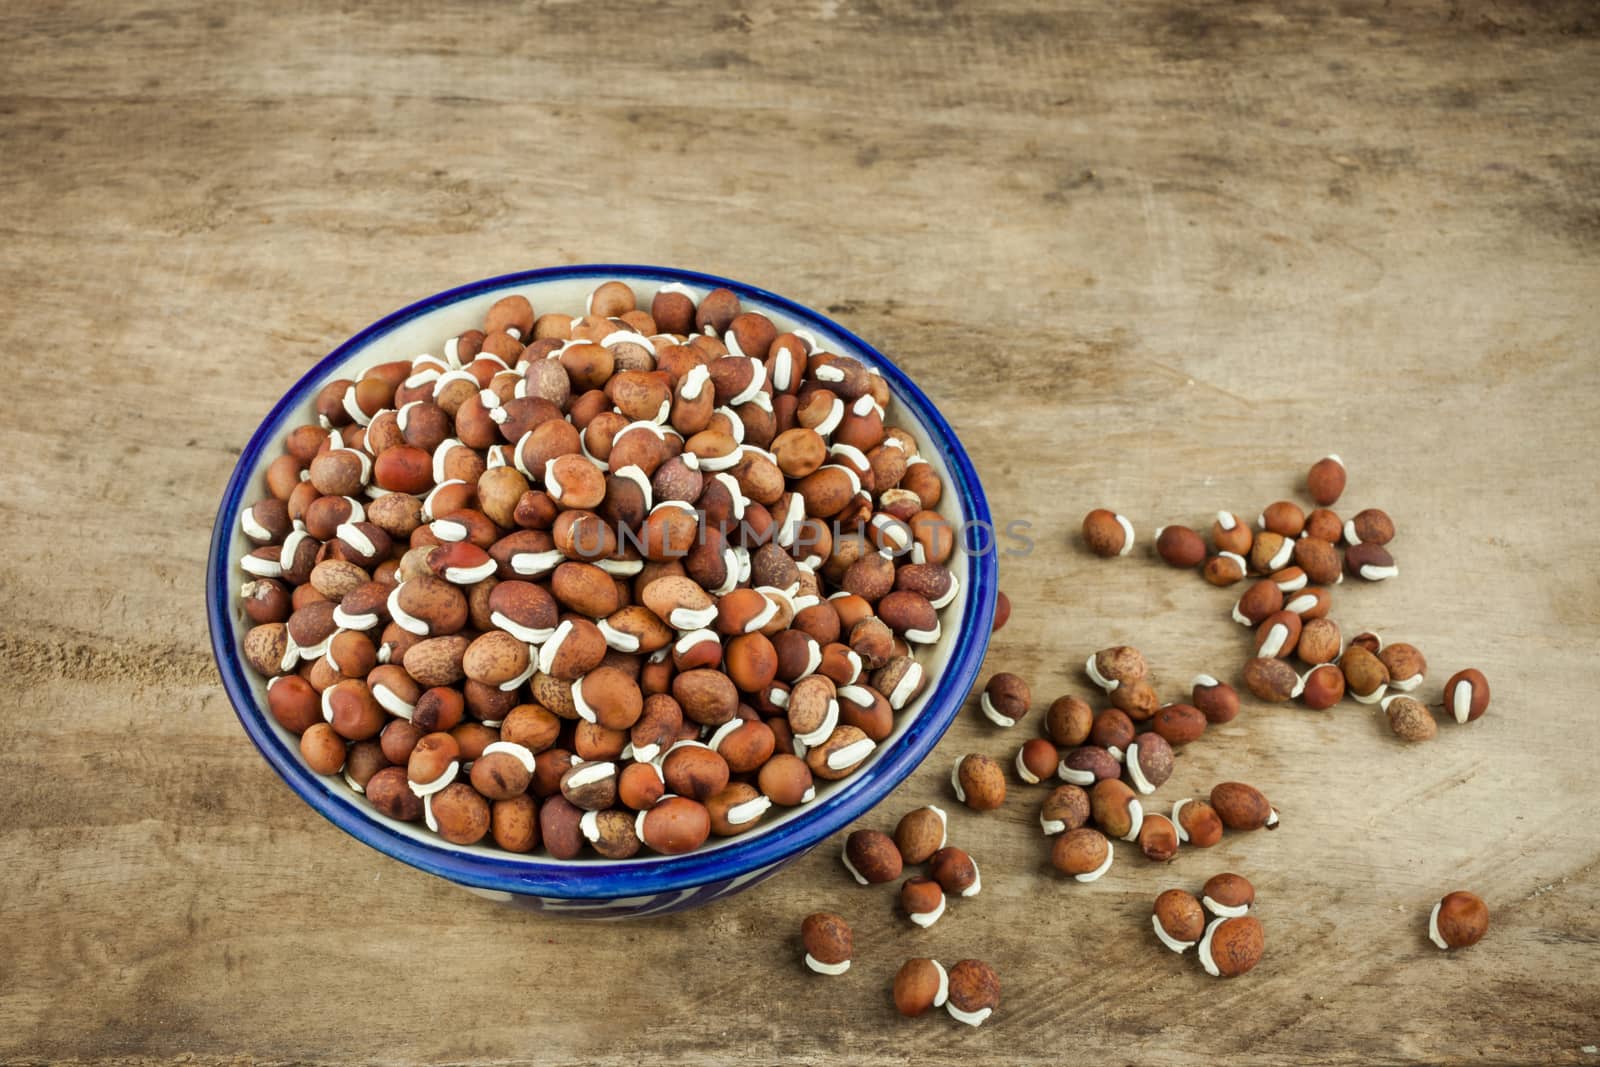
<point>427,333</point>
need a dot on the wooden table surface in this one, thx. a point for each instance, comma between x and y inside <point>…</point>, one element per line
<point>1150,254</point>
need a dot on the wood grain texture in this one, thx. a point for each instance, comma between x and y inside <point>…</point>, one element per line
<point>1155,255</point>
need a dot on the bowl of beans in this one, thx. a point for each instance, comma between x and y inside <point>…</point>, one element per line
<point>601,589</point>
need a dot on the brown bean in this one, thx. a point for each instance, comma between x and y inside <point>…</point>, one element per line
<point>676,825</point>
<point>390,793</point>
<point>460,813</point>
<point>323,749</point>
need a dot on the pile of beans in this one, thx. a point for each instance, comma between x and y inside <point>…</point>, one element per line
<point>613,581</point>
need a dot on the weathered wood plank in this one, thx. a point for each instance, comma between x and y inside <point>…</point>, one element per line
<point>1152,255</point>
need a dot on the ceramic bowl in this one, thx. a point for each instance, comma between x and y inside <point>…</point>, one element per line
<point>647,884</point>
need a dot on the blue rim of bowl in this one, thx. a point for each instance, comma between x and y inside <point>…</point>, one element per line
<point>512,873</point>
